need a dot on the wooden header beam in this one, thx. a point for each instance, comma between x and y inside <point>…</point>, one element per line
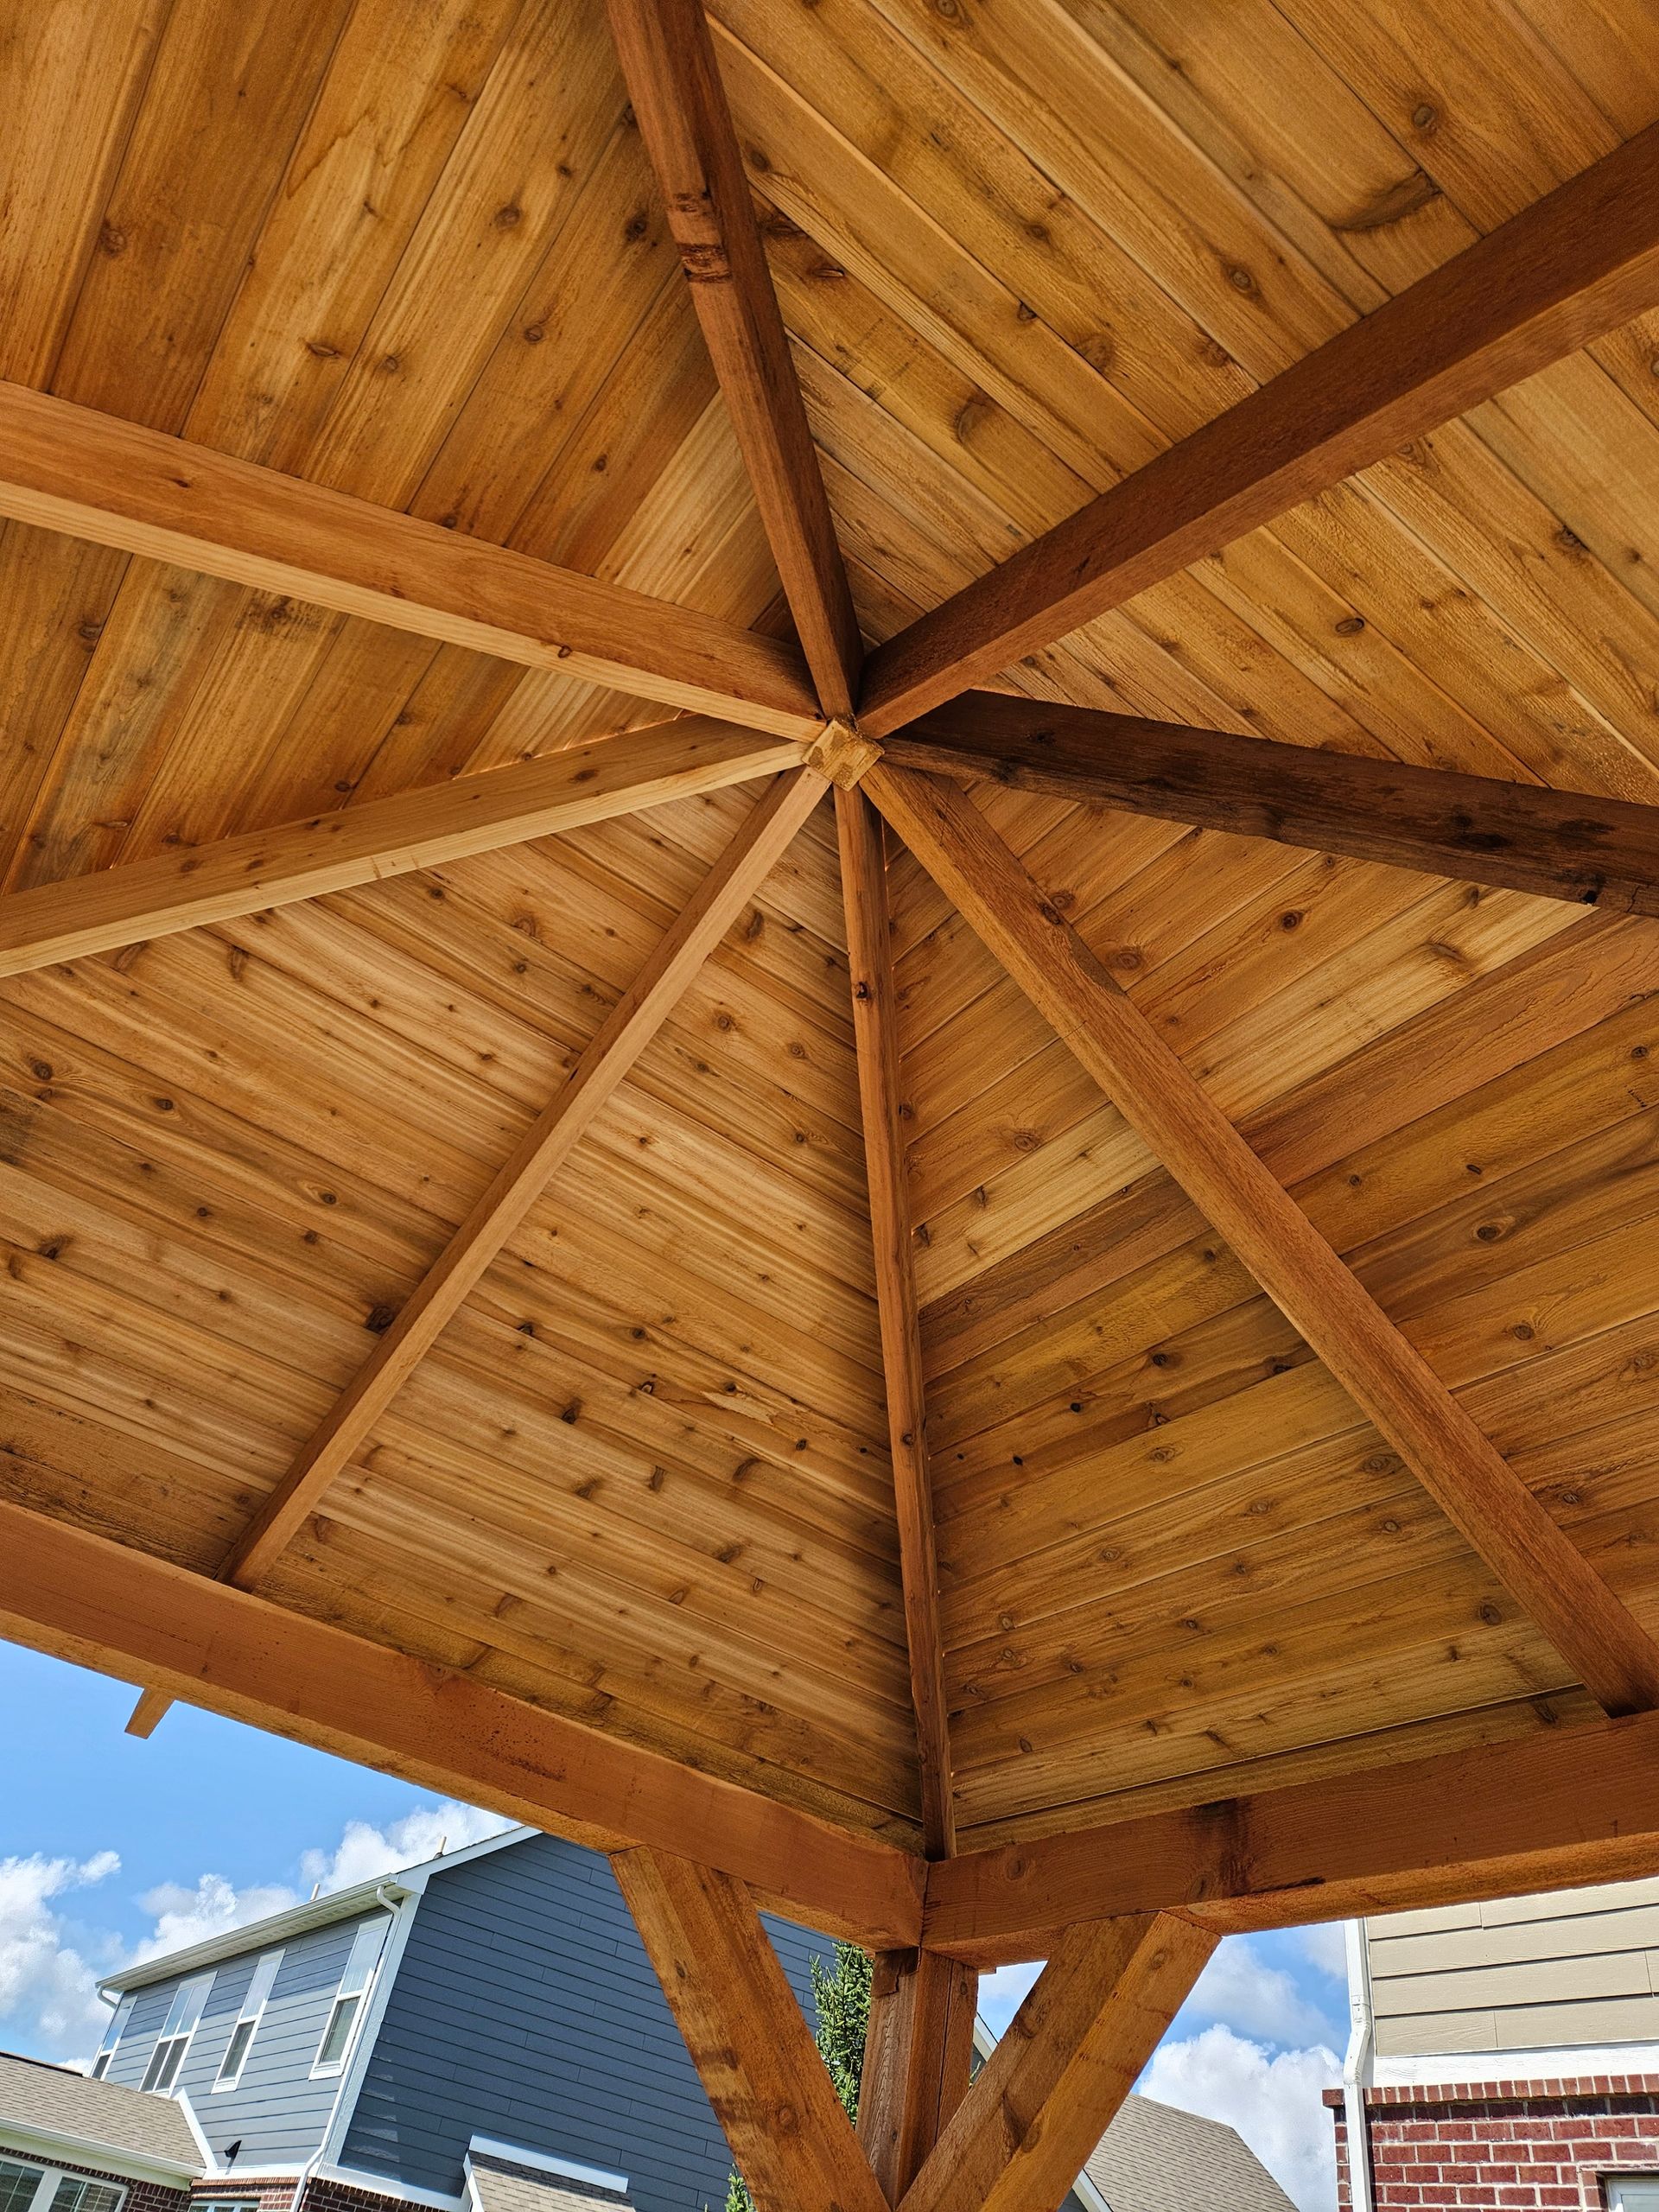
<point>1458,1464</point>
<point>668,60</point>
<point>264,868</point>
<point>89,475</point>
<point>1573,265</point>
<point>1552,1810</point>
<point>1593,851</point>
<point>82,1598</point>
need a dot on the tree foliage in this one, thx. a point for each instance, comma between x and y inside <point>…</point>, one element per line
<point>842,1993</point>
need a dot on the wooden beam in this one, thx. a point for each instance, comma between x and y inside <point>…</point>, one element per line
<point>71,469</point>
<point>919,2056</point>
<point>517,1184</point>
<point>1555,1810</point>
<point>390,836</point>
<point>1459,1466</point>
<point>748,2036</point>
<point>864,895</point>
<point>668,60</point>
<point>83,1597</point>
<point>1573,266</point>
<point>1070,2055</point>
<point>1593,851</point>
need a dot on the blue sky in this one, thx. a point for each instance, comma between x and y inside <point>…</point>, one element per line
<point>111,1845</point>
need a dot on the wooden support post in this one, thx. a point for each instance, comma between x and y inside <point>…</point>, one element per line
<point>748,2036</point>
<point>919,2056</point>
<point>1463,1470</point>
<point>864,895</point>
<point>1045,2096</point>
<point>519,1182</point>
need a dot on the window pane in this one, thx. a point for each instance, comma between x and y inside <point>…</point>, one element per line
<point>259,1989</point>
<point>339,2031</point>
<point>18,2186</point>
<point>165,2063</point>
<point>73,2195</point>
<point>366,1950</point>
<point>236,2050</point>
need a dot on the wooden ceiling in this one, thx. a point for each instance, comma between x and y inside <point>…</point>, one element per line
<point>417,254</point>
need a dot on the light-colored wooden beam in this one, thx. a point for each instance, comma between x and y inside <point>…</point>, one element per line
<point>519,1182</point>
<point>1592,851</point>
<point>1047,2093</point>
<point>1573,266</point>
<point>919,2056</point>
<point>864,896</point>
<point>1555,1810</point>
<point>748,2036</point>
<point>103,1604</point>
<point>1610,1653</point>
<point>90,475</point>
<point>390,836</point>
<point>674,82</point>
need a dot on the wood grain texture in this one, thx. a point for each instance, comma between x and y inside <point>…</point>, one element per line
<point>264,869</point>
<point>863,879</point>
<point>112,1607</point>
<point>71,470</point>
<point>668,61</point>
<point>1559,844</point>
<point>918,2056</point>
<point>1294,1264</point>
<point>744,2027</point>
<point>1068,2059</point>
<point>1567,1807</point>
<point>1568,270</point>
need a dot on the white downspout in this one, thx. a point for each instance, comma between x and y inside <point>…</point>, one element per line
<point>1358,2068</point>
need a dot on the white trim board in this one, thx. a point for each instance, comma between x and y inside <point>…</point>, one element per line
<point>46,2143</point>
<point>1438,2068</point>
<point>545,2162</point>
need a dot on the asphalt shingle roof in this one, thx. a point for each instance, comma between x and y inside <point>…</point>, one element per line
<point>1154,2158</point>
<point>60,2101</point>
<point>503,2187</point>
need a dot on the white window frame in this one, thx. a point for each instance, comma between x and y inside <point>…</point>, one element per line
<point>323,2067</point>
<point>1632,2191</point>
<point>249,2013</point>
<point>182,2035</point>
<point>114,2030</point>
<point>46,2187</point>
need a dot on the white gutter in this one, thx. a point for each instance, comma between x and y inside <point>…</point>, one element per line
<point>1358,2067</point>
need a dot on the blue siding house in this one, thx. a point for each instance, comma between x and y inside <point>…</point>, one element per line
<point>489,2014</point>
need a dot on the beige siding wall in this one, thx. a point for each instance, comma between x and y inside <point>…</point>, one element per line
<point>1581,1966</point>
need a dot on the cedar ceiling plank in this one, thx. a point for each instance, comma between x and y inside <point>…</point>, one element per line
<point>1591,851</point>
<point>669,63</point>
<point>127,1613</point>
<point>1570,268</point>
<point>1294,1264</point>
<point>863,870</point>
<point>89,475</point>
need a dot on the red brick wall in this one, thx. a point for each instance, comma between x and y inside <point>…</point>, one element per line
<point>1523,2146</point>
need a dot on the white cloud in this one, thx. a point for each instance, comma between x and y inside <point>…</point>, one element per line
<point>1326,1945</point>
<point>45,1980</point>
<point>1273,2099</point>
<point>1241,1990</point>
<point>50,1968</point>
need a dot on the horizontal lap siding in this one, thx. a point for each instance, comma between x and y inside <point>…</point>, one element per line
<point>525,2008</point>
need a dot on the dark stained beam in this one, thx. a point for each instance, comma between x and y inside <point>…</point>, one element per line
<point>1552,1810</point>
<point>1592,851</point>
<point>668,60</point>
<point>1573,266</point>
<point>1457,1463</point>
<point>127,1613</point>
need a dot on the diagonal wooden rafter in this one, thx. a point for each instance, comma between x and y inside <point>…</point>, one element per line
<point>71,469</point>
<point>748,2036</point>
<point>265,868</point>
<point>1460,1467</point>
<point>864,897</point>
<point>1591,850</point>
<point>673,80</point>
<point>111,1606</point>
<point>1047,2093</point>
<point>517,1184</point>
<point>1571,267</point>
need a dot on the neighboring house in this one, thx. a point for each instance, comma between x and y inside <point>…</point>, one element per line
<point>71,2145</point>
<point>483,2033</point>
<point>1504,2055</point>
<point>1156,2159</point>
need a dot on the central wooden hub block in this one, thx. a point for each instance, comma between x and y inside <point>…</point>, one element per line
<point>840,753</point>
